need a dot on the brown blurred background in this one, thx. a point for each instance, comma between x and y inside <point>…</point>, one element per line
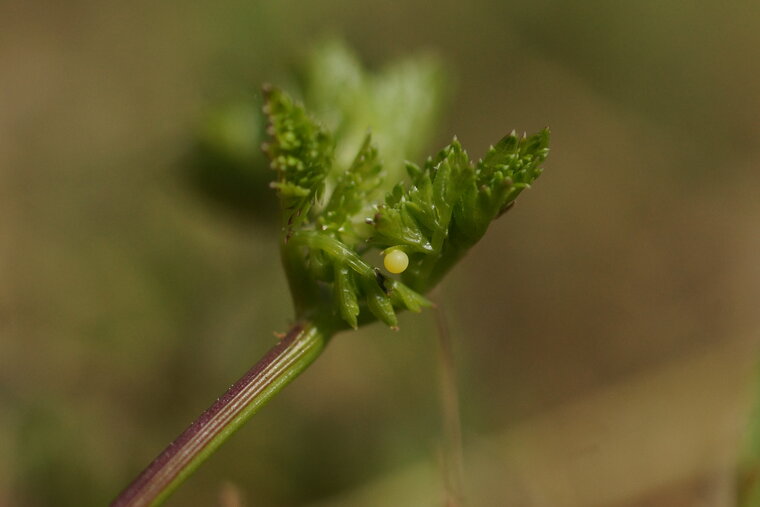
<point>605,330</point>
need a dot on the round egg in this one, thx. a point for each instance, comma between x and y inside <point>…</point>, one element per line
<point>396,261</point>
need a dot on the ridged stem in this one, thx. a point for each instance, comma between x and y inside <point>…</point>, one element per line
<point>286,360</point>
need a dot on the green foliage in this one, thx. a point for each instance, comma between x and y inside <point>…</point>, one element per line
<point>342,202</point>
<point>301,152</point>
<point>451,202</point>
<point>355,188</point>
<point>400,104</point>
<point>444,210</point>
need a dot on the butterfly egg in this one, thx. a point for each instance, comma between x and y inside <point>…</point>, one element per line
<point>396,261</point>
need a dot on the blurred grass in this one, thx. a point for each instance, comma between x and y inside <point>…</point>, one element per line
<point>127,302</point>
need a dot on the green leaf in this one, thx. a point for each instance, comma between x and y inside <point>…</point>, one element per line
<point>508,168</point>
<point>346,295</point>
<point>378,302</point>
<point>396,226</point>
<point>444,209</point>
<point>404,297</point>
<point>400,103</point>
<point>300,151</point>
<point>353,195</point>
<point>450,203</point>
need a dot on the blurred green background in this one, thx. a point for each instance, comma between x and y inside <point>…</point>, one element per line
<point>605,331</point>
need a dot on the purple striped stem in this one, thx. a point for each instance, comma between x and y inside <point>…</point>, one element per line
<point>285,361</point>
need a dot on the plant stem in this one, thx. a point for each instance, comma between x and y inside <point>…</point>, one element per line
<point>453,462</point>
<point>292,355</point>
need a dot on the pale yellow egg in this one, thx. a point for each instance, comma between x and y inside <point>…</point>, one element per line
<point>396,261</point>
